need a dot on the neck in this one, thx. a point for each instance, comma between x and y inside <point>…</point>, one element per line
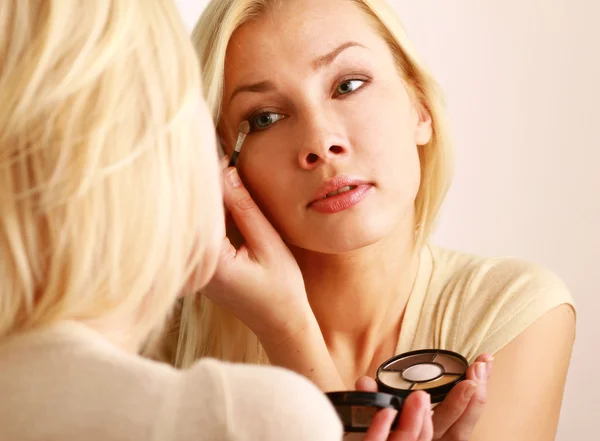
<point>359,300</point>
<point>118,331</point>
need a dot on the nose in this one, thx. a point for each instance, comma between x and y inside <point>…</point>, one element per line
<point>322,145</point>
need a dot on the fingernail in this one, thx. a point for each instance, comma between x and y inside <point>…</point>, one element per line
<point>234,178</point>
<point>428,400</point>
<point>489,366</point>
<point>480,371</point>
<point>427,410</point>
<point>469,392</point>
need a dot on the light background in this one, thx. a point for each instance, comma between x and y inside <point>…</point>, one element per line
<point>521,79</point>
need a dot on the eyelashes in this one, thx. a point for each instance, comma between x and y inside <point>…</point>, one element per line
<point>349,86</point>
<point>262,120</point>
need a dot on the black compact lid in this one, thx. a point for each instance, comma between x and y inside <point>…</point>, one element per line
<point>453,368</point>
<point>356,408</point>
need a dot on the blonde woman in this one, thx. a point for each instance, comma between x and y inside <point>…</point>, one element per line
<point>110,202</point>
<point>337,99</point>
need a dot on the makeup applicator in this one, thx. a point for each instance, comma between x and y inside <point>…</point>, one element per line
<point>244,129</point>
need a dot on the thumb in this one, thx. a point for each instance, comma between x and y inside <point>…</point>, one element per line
<point>258,233</point>
<point>366,384</point>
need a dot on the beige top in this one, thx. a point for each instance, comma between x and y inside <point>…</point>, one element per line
<point>69,383</point>
<point>474,305</point>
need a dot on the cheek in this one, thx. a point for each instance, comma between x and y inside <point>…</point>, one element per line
<point>384,137</point>
<point>267,180</point>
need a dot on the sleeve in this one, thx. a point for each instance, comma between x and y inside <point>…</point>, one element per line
<point>247,403</point>
<point>503,299</point>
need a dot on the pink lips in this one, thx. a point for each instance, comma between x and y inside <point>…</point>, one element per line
<point>327,201</point>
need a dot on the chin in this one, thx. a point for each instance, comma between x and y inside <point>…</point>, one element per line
<point>345,237</point>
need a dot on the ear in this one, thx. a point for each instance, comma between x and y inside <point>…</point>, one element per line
<point>424,129</point>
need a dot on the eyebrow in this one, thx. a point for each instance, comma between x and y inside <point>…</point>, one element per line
<point>318,63</point>
<point>329,58</point>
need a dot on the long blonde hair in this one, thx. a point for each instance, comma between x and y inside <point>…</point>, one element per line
<point>207,330</point>
<point>101,171</point>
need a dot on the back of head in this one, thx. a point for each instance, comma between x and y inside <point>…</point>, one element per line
<point>102,177</point>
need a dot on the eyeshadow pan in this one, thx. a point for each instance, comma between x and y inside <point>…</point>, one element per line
<point>439,382</point>
<point>403,363</point>
<point>423,372</point>
<point>451,364</point>
<point>394,379</point>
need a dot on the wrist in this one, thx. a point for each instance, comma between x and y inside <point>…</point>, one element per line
<point>303,349</point>
<point>299,326</point>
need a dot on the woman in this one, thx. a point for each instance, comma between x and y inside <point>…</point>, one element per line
<point>337,99</point>
<point>109,202</point>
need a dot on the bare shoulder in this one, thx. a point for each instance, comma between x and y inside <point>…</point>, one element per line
<point>533,365</point>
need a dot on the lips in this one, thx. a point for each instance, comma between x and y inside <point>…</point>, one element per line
<point>339,194</point>
<point>337,186</point>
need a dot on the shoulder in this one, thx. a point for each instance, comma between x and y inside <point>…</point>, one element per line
<point>112,394</point>
<point>491,300</point>
<point>493,278</point>
<point>134,398</point>
<point>491,274</point>
<point>260,402</point>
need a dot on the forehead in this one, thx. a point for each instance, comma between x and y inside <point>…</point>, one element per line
<point>296,32</point>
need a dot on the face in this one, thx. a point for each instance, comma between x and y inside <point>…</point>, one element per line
<point>329,111</point>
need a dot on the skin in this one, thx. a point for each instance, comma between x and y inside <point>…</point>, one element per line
<point>371,134</point>
<point>332,102</point>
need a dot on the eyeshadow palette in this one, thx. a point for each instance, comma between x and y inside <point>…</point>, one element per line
<point>434,371</point>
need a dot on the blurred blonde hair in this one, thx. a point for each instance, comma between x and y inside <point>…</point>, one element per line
<point>101,172</point>
<point>205,329</point>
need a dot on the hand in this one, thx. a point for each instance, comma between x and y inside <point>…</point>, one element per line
<point>415,422</point>
<point>455,418</point>
<point>258,281</point>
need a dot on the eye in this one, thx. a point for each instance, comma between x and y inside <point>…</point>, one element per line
<point>264,120</point>
<point>349,86</point>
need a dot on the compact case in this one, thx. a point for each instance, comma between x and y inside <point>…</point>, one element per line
<point>434,371</point>
<point>356,409</point>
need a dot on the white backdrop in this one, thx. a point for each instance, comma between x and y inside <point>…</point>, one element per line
<point>521,79</point>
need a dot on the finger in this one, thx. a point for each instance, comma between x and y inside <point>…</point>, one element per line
<point>463,427</point>
<point>412,417</point>
<point>258,233</point>
<point>478,372</point>
<point>227,267</point>
<point>366,384</point>
<point>381,425</point>
<point>454,405</point>
<point>488,359</point>
<point>224,162</point>
<point>232,231</point>
<point>427,430</point>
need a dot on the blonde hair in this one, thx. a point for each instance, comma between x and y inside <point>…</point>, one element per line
<point>205,329</point>
<point>101,173</point>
